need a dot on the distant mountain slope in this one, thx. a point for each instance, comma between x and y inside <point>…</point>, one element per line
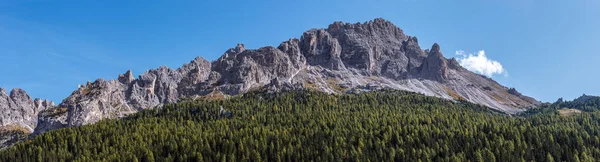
<point>584,102</point>
<point>343,58</point>
<point>581,105</point>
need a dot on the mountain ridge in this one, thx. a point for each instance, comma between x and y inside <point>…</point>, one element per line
<point>343,58</point>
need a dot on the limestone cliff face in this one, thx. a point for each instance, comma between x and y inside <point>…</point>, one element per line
<point>19,110</point>
<point>343,58</point>
<point>103,99</point>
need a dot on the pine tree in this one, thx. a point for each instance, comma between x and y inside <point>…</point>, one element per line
<point>549,158</point>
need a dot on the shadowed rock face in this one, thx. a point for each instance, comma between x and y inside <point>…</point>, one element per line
<point>340,59</point>
<point>435,66</point>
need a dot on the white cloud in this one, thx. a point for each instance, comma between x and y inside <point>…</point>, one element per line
<point>479,63</point>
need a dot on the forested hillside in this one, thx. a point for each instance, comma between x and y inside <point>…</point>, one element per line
<point>584,103</point>
<point>306,125</point>
<point>581,104</point>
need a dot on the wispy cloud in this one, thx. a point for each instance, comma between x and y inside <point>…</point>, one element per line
<point>480,63</point>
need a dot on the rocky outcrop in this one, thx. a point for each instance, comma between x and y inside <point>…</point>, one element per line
<point>247,69</point>
<point>435,66</point>
<point>342,58</point>
<point>50,119</point>
<point>18,109</point>
<point>95,101</point>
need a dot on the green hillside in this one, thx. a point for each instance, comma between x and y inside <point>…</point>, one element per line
<point>314,126</point>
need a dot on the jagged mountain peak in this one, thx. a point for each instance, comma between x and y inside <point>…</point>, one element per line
<point>378,25</point>
<point>19,93</point>
<point>240,48</point>
<point>435,48</point>
<point>343,58</point>
<point>435,67</point>
<point>126,77</point>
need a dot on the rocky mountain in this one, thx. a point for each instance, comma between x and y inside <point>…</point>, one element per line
<point>343,58</point>
<point>19,110</point>
<point>19,115</point>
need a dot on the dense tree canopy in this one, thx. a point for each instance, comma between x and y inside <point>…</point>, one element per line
<point>313,126</point>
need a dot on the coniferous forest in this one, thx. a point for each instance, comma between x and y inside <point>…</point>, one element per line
<point>314,126</point>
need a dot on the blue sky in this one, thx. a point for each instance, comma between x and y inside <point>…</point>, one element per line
<point>547,48</point>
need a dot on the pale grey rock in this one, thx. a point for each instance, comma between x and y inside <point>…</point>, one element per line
<point>5,106</point>
<point>50,119</point>
<point>117,98</point>
<point>321,49</point>
<point>196,76</point>
<point>18,109</point>
<point>126,78</point>
<point>248,69</point>
<point>23,104</point>
<point>371,47</point>
<point>95,101</point>
<point>224,113</point>
<point>155,87</point>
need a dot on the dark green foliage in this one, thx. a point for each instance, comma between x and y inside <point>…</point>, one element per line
<point>584,103</point>
<point>312,126</point>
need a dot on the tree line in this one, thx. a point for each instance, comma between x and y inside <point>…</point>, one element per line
<point>313,126</point>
